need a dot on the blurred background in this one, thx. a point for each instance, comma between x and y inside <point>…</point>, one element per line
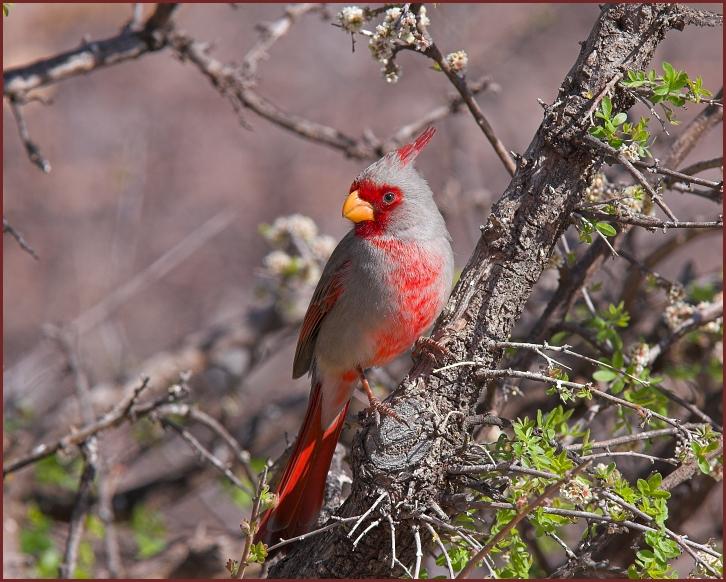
<point>146,153</point>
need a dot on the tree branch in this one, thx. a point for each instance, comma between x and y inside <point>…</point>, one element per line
<point>90,56</point>
<point>491,293</point>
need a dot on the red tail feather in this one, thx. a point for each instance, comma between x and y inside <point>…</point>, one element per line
<point>302,486</point>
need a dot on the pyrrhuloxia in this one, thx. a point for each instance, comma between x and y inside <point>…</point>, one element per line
<point>383,286</point>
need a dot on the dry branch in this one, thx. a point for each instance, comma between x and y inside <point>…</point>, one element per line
<point>90,56</point>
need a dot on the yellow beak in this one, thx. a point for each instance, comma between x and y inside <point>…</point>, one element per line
<point>357,210</point>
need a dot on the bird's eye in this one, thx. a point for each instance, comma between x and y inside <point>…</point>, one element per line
<point>389,197</point>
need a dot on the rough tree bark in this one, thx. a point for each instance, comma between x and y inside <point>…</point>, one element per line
<point>409,464</point>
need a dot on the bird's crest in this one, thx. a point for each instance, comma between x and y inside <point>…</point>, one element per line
<point>408,153</point>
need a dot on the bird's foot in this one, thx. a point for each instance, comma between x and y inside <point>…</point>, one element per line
<point>433,351</point>
<point>375,404</point>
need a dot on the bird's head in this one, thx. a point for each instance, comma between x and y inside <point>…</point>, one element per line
<point>390,198</point>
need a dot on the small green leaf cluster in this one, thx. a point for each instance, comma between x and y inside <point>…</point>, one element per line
<point>633,380</point>
<point>36,541</point>
<point>258,553</point>
<point>64,473</point>
<point>706,441</point>
<point>653,563</point>
<point>607,324</point>
<point>617,131</point>
<point>532,444</point>
<point>673,86</point>
<point>589,227</point>
<point>149,531</point>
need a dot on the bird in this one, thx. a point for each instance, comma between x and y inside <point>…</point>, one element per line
<point>382,288</point>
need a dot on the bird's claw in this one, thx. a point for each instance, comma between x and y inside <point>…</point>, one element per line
<point>375,404</point>
<point>435,352</point>
<point>384,410</point>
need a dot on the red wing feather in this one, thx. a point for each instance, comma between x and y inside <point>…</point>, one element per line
<point>324,298</point>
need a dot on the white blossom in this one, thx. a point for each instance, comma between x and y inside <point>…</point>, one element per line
<point>322,246</point>
<point>640,357</point>
<point>458,61</point>
<point>391,76</point>
<point>351,18</point>
<point>392,14</point>
<point>302,226</point>
<point>630,152</point>
<point>576,491</point>
<point>422,18</point>
<point>277,262</point>
<point>595,191</point>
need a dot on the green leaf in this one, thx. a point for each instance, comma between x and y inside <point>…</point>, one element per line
<point>258,553</point>
<point>620,118</point>
<point>604,376</point>
<point>606,228</point>
<point>606,106</point>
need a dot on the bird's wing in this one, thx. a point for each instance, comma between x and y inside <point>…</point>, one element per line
<point>326,294</point>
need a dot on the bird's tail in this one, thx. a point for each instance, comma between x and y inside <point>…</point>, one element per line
<point>301,489</point>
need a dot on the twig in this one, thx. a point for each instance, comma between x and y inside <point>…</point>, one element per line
<point>462,87</point>
<point>118,414</point>
<point>80,509</point>
<point>612,152</point>
<point>381,497</point>
<point>372,525</point>
<point>641,436</point>
<point>90,56</point>
<point>692,134</point>
<point>437,539</point>
<point>419,552</point>
<point>227,81</point>
<point>503,466</point>
<point>337,521</point>
<point>106,486</point>
<point>703,165</point>
<point>31,148</point>
<point>712,195</point>
<point>700,317</point>
<point>601,95</point>
<point>687,470</point>
<point>193,413</point>
<point>7,228</point>
<point>685,543</point>
<point>656,168</point>
<point>455,104</point>
<point>206,455</point>
<point>548,492</point>
<point>565,349</point>
<point>554,381</point>
<point>90,450</point>
<point>573,513</point>
<point>392,528</point>
<point>650,222</point>
<point>270,33</point>
<point>651,458</point>
<point>252,529</point>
